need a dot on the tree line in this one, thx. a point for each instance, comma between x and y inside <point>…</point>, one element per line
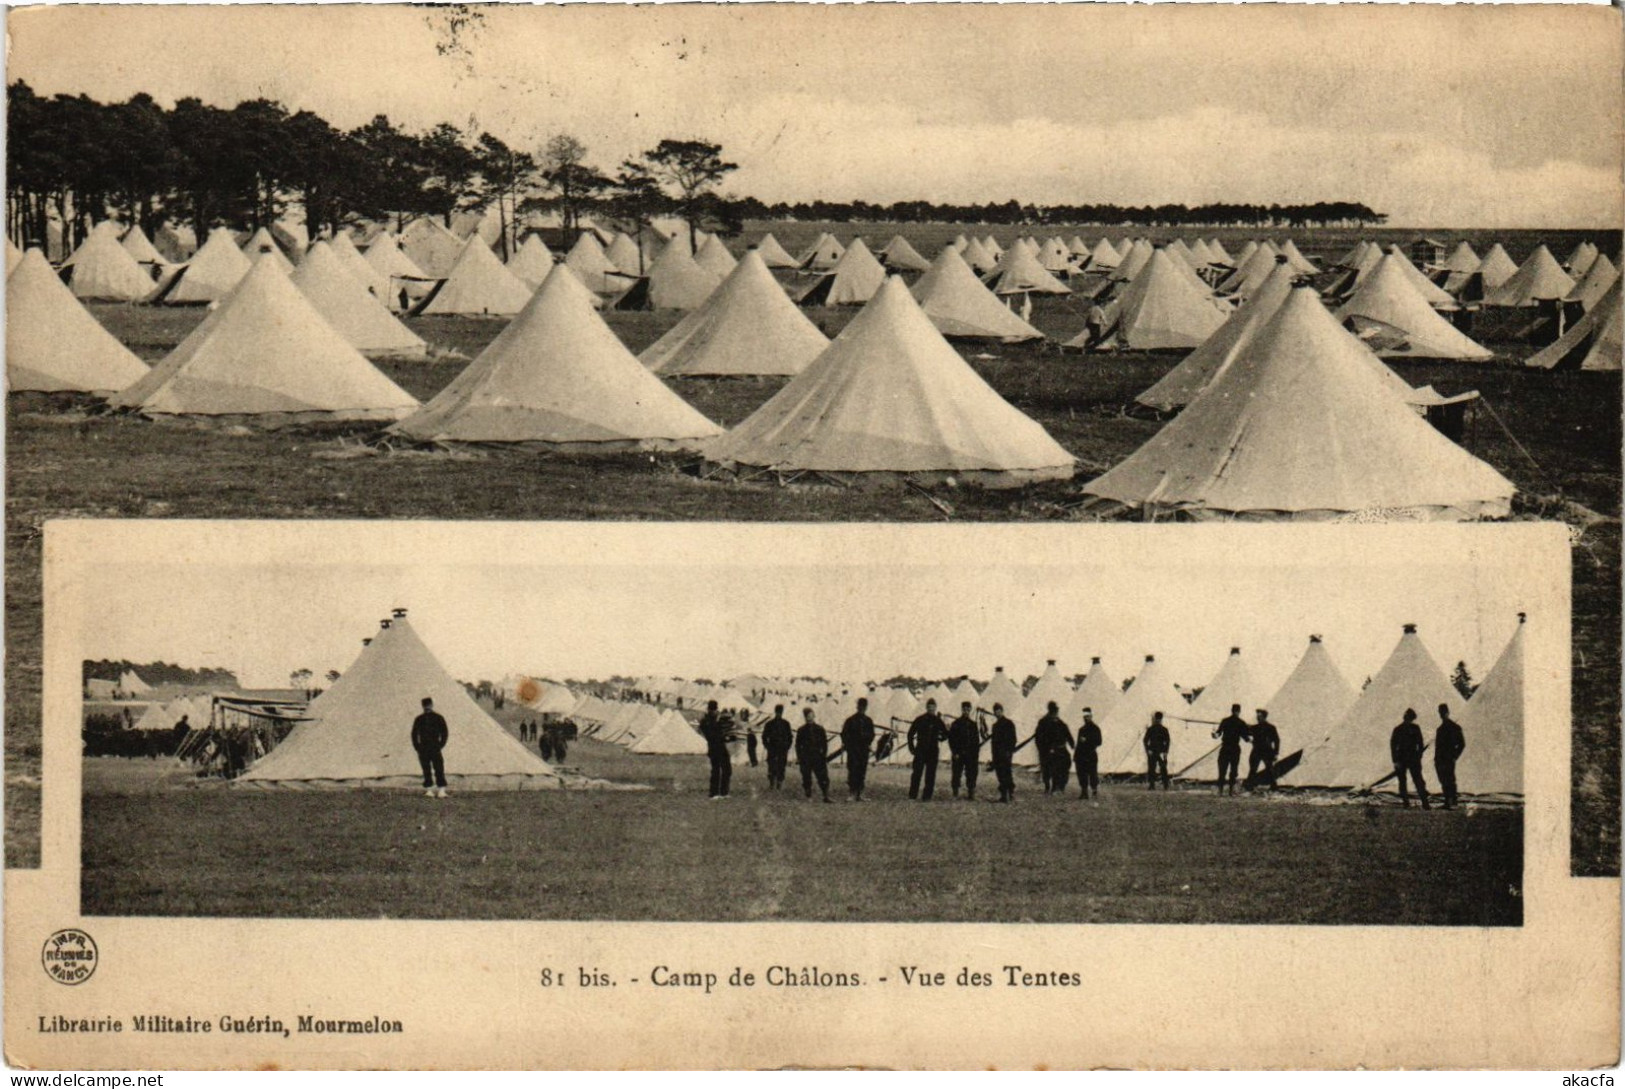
<point>157,673</point>
<point>76,161</point>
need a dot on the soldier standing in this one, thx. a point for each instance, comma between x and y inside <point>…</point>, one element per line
<point>776,740</point>
<point>1448,745</point>
<point>1087,756</point>
<point>812,754</point>
<point>1266,747</point>
<point>925,735</point>
<point>1003,742</point>
<point>1231,732</point>
<point>1156,744</point>
<point>1405,746</point>
<point>965,750</point>
<point>1054,743</point>
<point>715,731</point>
<point>857,734</point>
<point>429,737</point>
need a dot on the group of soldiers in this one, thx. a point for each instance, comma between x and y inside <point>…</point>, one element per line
<point>553,742</point>
<point>1059,751</point>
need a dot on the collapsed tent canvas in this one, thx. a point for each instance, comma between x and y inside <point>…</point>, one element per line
<point>266,352</point>
<point>558,377</point>
<point>1303,425</point>
<point>747,326</point>
<point>53,343</point>
<point>359,730</point>
<point>891,396</point>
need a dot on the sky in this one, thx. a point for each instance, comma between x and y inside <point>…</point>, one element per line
<point>848,603</point>
<point>1449,116</point>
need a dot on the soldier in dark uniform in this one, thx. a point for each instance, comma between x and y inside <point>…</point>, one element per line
<point>750,745</point>
<point>1448,745</point>
<point>1087,756</point>
<point>965,750</point>
<point>1266,747</point>
<point>1003,742</point>
<point>776,740</point>
<point>857,734</point>
<point>1156,744</point>
<point>925,735</point>
<point>1405,746</point>
<point>714,728</point>
<point>1054,743</point>
<point>561,739</point>
<point>812,754</point>
<point>429,737</point>
<point>1231,732</point>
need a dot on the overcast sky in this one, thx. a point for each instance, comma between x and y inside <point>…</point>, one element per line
<point>852,603</point>
<point>1465,116</point>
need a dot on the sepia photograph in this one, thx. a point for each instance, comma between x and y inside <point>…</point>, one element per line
<point>836,487</point>
<point>887,738</point>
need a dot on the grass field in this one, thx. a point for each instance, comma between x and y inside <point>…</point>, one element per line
<point>152,847</point>
<point>64,463</point>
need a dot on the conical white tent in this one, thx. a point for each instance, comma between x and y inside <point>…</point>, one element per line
<point>822,254</point>
<point>53,343</point>
<point>1077,247</point>
<point>714,258</point>
<point>1218,255</point>
<point>1098,693</point>
<point>1463,261</point>
<point>1000,690</point>
<point>978,257</point>
<point>1431,293</point>
<point>213,271</point>
<point>773,254</point>
<point>676,281</point>
<point>901,254</point>
<point>1213,356</point>
<point>431,247</point>
<point>1594,343</point>
<point>1302,426</point>
<point>852,281</point>
<point>102,268</point>
<point>960,305</point>
<point>532,261</point>
<point>385,255</point>
<point>139,246</point>
<point>1600,275</point>
<point>747,326</point>
<point>593,267</point>
<point>360,729</point>
<point>1163,308</point>
<point>671,734</point>
<point>1537,280</point>
<point>131,684</point>
<point>890,396</point>
<point>175,242</point>
<point>1496,268</point>
<point>477,284</point>
<point>1054,255</point>
<point>1300,264</point>
<point>1389,309</point>
<point>261,242</point>
<point>1019,271</point>
<point>1251,274</point>
<point>266,352</point>
<point>1123,727</point>
<point>1579,262</point>
<point>557,376</point>
<point>372,281</point>
<point>1103,256</point>
<point>1233,684</point>
<point>1355,754</point>
<point>625,255</point>
<point>1492,725</point>
<point>1315,698</point>
<point>350,308</point>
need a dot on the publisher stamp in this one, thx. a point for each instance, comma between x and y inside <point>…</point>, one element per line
<point>70,956</point>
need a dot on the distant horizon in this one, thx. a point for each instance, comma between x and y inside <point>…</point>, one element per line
<point>1110,103</point>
